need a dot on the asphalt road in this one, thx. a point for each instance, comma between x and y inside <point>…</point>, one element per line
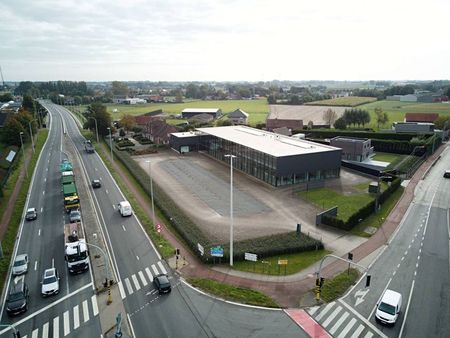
<point>183,313</point>
<point>415,263</point>
<point>73,312</point>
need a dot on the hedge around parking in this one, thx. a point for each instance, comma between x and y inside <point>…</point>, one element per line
<point>193,235</point>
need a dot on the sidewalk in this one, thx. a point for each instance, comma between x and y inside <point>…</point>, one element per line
<point>287,291</point>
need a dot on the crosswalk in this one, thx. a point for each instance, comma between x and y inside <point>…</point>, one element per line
<point>340,322</point>
<point>71,320</point>
<point>142,278</point>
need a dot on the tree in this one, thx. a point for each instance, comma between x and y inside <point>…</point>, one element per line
<point>128,122</point>
<point>119,88</point>
<point>98,111</point>
<point>28,103</point>
<point>382,117</point>
<point>340,123</point>
<point>6,97</point>
<point>442,122</point>
<point>11,131</point>
<point>329,116</point>
<point>271,99</point>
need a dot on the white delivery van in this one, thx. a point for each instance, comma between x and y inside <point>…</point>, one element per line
<point>125,208</point>
<point>388,308</point>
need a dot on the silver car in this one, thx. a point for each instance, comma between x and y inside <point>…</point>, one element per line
<point>50,282</point>
<point>20,265</point>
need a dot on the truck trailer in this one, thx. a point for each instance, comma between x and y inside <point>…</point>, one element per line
<point>76,253</point>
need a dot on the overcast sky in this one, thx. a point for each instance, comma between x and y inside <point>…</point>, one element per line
<point>224,40</point>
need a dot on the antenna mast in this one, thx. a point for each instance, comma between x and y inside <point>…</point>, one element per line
<point>3,80</point>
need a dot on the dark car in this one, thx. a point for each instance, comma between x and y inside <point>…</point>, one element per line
<point>17,301</point>
<point>447,174</point>
<point>31,214</point>
<point>162,283</point>
<point>96,184</point>
<point>75,216</point>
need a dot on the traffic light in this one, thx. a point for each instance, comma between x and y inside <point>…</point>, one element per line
<point>322,280</point>
<point>177,251</point>
<point>368,281</point>
<point>317,282</point>
<point>350,256</point>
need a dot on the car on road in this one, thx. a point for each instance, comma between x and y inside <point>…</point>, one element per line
<point>18,297</point>
<point>50,282</point>
<point>125,208</point>
<point>96,184</point>
<point>75,216</point>
<point>31,214</point>
<point>447,174</point>
<point>20,265</point>
<point>162,283</point>
<point>388,308</point>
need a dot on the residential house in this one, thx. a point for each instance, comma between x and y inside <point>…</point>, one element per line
<point>238,117</point>
<point>158,131</point>
<point>421,117</point>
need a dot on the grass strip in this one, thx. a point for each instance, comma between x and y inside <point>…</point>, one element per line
<point>337,286</point>
<point>233,293</point>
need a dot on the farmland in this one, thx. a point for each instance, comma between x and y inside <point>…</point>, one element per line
<point>350,101</point>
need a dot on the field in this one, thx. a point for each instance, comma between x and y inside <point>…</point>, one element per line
<point>257,109</point>
<point>350,101</point>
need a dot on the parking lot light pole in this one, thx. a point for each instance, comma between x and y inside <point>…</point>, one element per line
<point>23,153</point>
<point>231,207</point>
<point>110,143</point>
<point>151,192</point>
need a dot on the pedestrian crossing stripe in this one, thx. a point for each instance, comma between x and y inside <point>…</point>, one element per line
<point>134,284</point>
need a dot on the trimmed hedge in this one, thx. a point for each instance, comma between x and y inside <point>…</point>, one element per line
<point>192,235</point>
<point>363,212</point>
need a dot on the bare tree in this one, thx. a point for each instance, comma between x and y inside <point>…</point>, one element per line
<point>329,116</point>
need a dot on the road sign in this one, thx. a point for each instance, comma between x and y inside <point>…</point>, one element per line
<point>250,257</point>
<point>158,228</point>
<point>217,251</point>
<point>282,262</point>
<point>201,249</point>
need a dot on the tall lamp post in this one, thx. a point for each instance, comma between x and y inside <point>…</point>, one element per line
<point>31,134</point>
<point>108,281</point>
<point>110,143</point>
<point>23,153</point>
<point>151,192</point>
<point>96,129</point>
<point>231,206</point>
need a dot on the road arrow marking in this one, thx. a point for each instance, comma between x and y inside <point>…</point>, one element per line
<point>360,296</point>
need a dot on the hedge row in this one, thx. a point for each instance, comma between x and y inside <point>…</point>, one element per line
<point>363,212</point>
<point>192,235</point>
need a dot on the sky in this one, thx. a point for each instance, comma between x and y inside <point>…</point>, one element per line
<point>224,40</point>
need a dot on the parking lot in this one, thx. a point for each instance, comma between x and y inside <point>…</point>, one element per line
<point>201,187</point>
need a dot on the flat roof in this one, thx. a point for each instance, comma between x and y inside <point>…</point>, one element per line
<point>200,110</point>
<point>187,134</point>
<point>267,142</point>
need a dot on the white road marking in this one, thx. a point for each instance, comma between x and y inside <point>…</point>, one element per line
<point>339,323</point>
<point>368,335</point>
<point>94,305</point>
<point>143,280</point>
<point>114,206</point>
<point>136,282</point>
<point>66,323</point>
<point>128,284</point>
<point>161,266</point>
<point>313,310</point>
<point>358,331</point>
<point>347,328</point>
<point>45,179</point>
<point>56,327</point>
<point>45,330</point>
<point>96,169</point>
<point>107,191</point>
<point>42,209</point>
<point>85,311</point>
<point>155,270</point>
<point>39,232</point>
<point>43,192</point>
<point>121,290</point>
<point>35,265</point>
<point>137,257</point>
<point>123,227</point>
<point>76,317</point>
<point>332,316</point>
<point>325,310</point>
<point>35,333</point>
<point>149,274</point>
<point>53,262</point>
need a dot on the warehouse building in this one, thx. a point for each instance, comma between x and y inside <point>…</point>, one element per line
<point>188,113</point>
<point>275,159</point>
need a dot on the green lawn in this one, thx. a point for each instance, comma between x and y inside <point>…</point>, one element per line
<point>233,293</point>
<point>347,204</point>
<point>334,288</point>
<point>269,265</point>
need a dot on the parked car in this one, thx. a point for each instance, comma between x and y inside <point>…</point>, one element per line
<point>162,283</point>
<point>447,174</point>
<point>75,216</point>
<point>20,265</point>
<point>31,214</point>
<point>50,282</point>
<point>389,307</point>
<point>96,184</point>
<point>18,297</point>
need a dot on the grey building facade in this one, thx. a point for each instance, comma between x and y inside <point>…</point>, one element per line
<point>353,148</point>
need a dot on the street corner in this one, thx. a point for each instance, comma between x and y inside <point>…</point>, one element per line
<point>307,323</point>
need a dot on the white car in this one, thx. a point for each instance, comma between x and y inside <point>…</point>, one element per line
<point>20,265</point>
<point>50,282</point>
<point>125,208</point>
<point>388,308</point>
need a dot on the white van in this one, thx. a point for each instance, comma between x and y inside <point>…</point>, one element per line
<point>388,308</point>
<point>125,208</point>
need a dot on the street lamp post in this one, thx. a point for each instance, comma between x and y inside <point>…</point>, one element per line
<point>31,134</point>
<point>110,143</point>
<point>23,153</point>
<point>96,129</point>
<point>108,281</point>
<point>231,206</point>
<point>151,192</point>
